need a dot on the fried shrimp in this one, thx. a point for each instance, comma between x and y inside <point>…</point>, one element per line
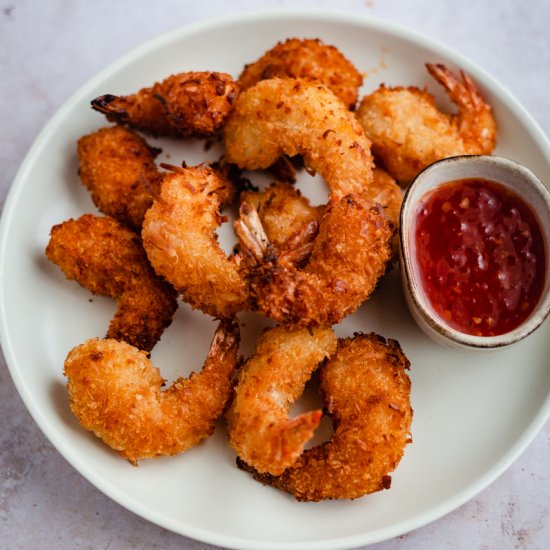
<point>118,168</point>
<point>350,254</point>
<point>306,58</point>
<point>115,392</point>
<point>269,382</point>
<point>408,132</point>
<point>181,243</point>
<point>475,121</point>
<point>296,116</point>
<point>108,259</point>
<point>287,216</point>
<point>283,211</point>
<point>367,395</point>
<point>191,104</point>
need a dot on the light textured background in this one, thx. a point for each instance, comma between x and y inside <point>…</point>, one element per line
<point>47,51</point>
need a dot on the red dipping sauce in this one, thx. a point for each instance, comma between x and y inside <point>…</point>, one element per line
<point>480,255</point>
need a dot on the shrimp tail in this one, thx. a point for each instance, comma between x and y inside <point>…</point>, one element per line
<point>295,250</point>
<point>461,91</point>
<point>251,234</point>
<point>299,431</point>
<point>298,247</point>
<point>474,121</point>
<point>107,105</point>
<point>225,341</point>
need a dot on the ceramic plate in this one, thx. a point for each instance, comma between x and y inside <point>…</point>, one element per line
<point>474,413</point>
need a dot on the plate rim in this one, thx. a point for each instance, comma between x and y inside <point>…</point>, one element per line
<point>317,14</point>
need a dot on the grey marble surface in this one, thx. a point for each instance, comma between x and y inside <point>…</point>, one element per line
<point>47,51</point>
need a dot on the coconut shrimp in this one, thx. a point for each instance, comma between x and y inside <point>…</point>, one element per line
<point>270,381</point>
<point>408,132</point>
<point>306,58</point>
<point>118,168</point>
<point>367,395</point>
<point>179,237</point>
<point>108,259</point>
<point>115,392</point>
<point>296,116</point>
<point>350,254</point>
<point>191,104</point>
<point>286,215</point>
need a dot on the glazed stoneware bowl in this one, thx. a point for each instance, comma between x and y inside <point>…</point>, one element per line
<point>511,175</point>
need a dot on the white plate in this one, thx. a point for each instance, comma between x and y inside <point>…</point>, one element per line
<point>474,413</point>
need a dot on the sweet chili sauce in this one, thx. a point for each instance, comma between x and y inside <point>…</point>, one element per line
<point>481,256</point>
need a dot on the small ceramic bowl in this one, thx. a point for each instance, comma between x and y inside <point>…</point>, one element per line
<point>500,170</point>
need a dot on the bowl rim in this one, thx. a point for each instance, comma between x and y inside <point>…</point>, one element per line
<point>413,287</point>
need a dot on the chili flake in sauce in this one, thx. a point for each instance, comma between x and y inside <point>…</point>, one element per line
<point>481,256</point>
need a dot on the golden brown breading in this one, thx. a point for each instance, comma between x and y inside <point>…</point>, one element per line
<point>108,259</point>
<point>115,392</point>
<point>118,168</point>
<point>306,58</point>
<point>198,104</point>
<point>181,243</point>
<point>350,254</point>
<point>408,132</point>
<point>385,191</point>
<point>367,395</point>
<point>269,383</point>
<point>190,104</point>
<point>296,116</point>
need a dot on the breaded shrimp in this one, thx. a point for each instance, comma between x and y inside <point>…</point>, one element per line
<point>283,211</point>
<point>118,168</point>
<point>306,58</point>
<point>179,237</point>
<point>269,382</point>
<point>108,259</point>
<point>297,116</point>
<point>367,394</point>
<point>191,104</point>
<point>350,254</point>
<point>475,121</point>
<point>408,132</point>
<point>291,224</point>
<point>115,392</point>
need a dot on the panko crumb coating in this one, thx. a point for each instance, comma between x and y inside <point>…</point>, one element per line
<point>350,254</point>
<point>116,392</point>
<point>108,259</point>
<point>306,58</point>
<point>408,131</point>
<point>297,116</point>
<point>367,395</point>
<point>181,243</point>
<point>270,381</point>
<point>118,168</point>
